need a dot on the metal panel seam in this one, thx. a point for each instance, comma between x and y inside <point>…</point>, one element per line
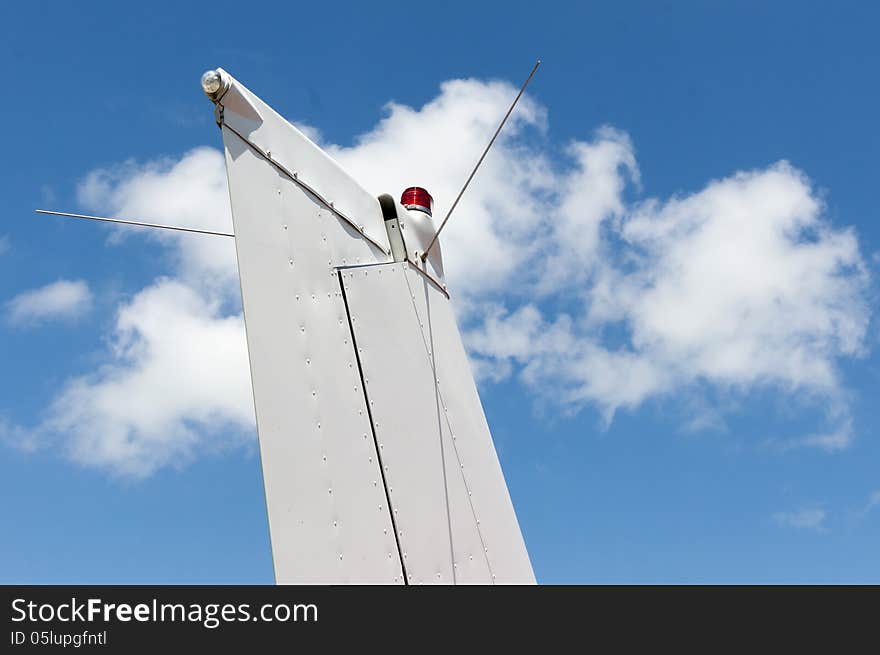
<point>409,263</point>
<point>294,177</point>
<point>440,404</point>
<point>430,354</point>
<point>440,287</point>
<point>373,428</point>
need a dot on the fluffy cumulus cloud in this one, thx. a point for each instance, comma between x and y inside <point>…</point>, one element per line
<point>741,284</point>
<point>176,381</point>
<point>566,277</point>
<point>60,300</point>
<point>190,191</point>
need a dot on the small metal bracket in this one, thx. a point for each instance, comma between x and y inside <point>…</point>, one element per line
<point>218,114</point>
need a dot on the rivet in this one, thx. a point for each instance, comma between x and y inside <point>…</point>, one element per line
<point>284,226</point>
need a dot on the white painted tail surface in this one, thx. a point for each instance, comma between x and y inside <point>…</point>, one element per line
<point>377,460</point>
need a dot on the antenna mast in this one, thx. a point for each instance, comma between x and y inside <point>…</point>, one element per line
<point>480,161</point>
<point>123,221</point>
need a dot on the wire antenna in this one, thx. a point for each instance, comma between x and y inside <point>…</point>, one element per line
<point>480,161</point>
<point>122,221</point>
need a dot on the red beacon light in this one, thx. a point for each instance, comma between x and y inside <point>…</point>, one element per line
<point>417,198</point>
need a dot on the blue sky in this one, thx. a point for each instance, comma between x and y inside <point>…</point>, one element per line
<point>689,468</point>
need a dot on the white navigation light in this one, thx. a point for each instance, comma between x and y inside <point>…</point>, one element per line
<point>212,82</point>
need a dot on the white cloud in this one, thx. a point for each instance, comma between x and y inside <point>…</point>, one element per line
<point>312,132</point>
<point>501,218</point>
<point>64,300</point>
<point>176,380</point>
<point>561,279</point>
<point>742,285</point>
<point>803,519</point>
<point>189,192</point>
